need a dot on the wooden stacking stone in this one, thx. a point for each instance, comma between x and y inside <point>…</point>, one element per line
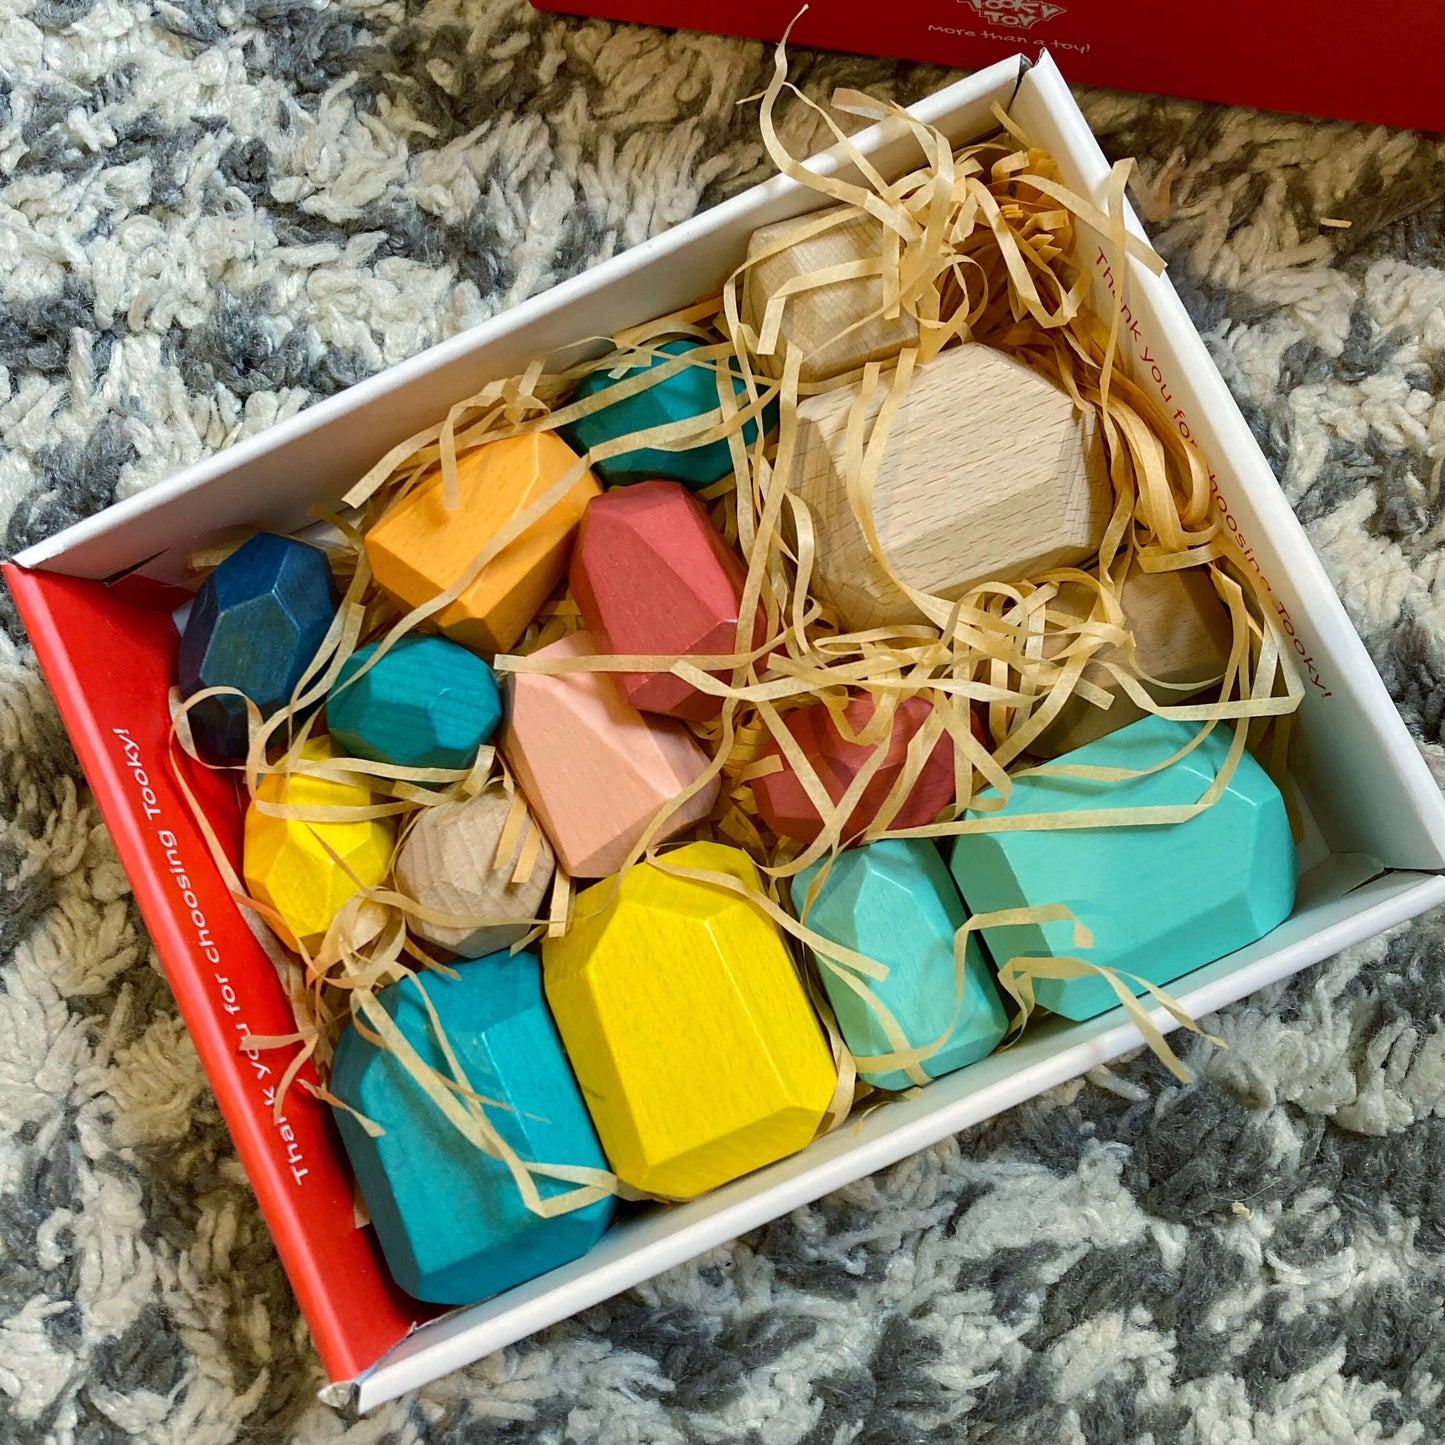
<point>289,863</point>
<point>822,321</point>
<point>428,703</point>
<point>783,802</point>
<point>692,392</point>
<point>894,902</point>
<point>595,770</point>
<point>449,1218</point>
<point>449,863</point>
<point>691,1033</point>
<point>653,576</point>
<point>255,624</point>
<point>1160,900</point>
<point>988,475</point>
<point>419,549</point>
<point>1182,636</point>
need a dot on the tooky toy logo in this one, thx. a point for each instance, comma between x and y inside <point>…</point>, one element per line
<point>1019,14</point>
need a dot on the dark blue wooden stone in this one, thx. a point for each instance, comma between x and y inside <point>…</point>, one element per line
<point>428,703</point>
<point>691,392</point>
<point>255,624</point>
<point>451,1224</point>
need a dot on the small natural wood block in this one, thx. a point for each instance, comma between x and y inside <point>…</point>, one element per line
<point>988,475</point>
<point>689,1028</point>
<point>286,861</point>
<point>821,322</point>
<point>419,549</point>
<point>428,703</point>
<point>894,902</point>
<point>446,864</point>
<point>652,575</point>
<point>1160,900</point>
<point>785,806</point>
<point>595,770</point>
<point>1182,634</point>
<point>449,1218</point>
<point>692,392</point>
<point>255,624</point>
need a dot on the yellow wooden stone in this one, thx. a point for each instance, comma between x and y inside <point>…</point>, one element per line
<point>419,549</point>
<point>286,862</point>
<point>1182,635</point>
<point>822,321</point>
<point>689,1029</point>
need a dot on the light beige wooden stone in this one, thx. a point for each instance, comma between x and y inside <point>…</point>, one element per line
<point>446,864</point>
<point>1182,634</point>
<point>988,475</point>
<point>820,320</point>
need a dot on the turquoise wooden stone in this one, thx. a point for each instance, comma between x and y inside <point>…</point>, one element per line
<point>428,703</point>
<point>692,392</point>
<point>255,624</point>
<point>451,1223</point>
<point>894,901</point>
<point>1160,900</point>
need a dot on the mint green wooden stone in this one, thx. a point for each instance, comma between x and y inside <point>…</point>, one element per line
<point>1160,900</point>
<point>429,703</point>
<point>894,901</point>
<point>449,1218</point>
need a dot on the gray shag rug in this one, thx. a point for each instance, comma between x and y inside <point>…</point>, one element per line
<point>213,214</point>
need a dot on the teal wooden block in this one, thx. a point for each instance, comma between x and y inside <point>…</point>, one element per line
<point>894,901</point>
<point>1160,900</point>
<point>451,1224</point>
<point>692,392</point>
<point>255,624</point>
<point>428,703</point>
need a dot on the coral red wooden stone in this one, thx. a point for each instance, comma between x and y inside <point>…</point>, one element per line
<point>653,575</point>
<point>785,806</point>
<point>595,770</point>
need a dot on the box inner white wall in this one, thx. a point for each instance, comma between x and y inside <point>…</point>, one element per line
<point>1374,814</point>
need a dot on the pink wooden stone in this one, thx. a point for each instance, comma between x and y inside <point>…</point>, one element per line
<point>785,806</point>
<point>595,770</point>
<point>653,575</point>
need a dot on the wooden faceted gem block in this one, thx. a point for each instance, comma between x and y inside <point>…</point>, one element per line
<point>255,624</point>
<point>1182,635</point>
<point>595,770</point>
<point>427,704</point>
<point>446,863</point>
<point>692,392</point>
<point>689,1028</point>
<point>286,860</point>
<point>988,475</point>
<point>1160,900</point>
<point>822,321</point>
<point>419,549</point>
<point>785,806</point>
<point>894,902</point>
<point>652,575</point>
<point>449,1218</point>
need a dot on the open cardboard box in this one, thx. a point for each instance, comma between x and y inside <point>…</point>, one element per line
<point>98,600</point>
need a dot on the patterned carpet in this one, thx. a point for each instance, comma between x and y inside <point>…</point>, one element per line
<point>210,216</point>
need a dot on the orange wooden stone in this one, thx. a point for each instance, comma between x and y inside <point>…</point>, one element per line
<point>419,549</point>
<point>595,770</point>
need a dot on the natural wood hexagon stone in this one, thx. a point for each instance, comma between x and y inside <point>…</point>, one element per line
<point>595,770</point>
<point>418,549</point>
<point>988,474</point>
<point>821,321</point>
<point>692,1036</point>
<point>446,864</point>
